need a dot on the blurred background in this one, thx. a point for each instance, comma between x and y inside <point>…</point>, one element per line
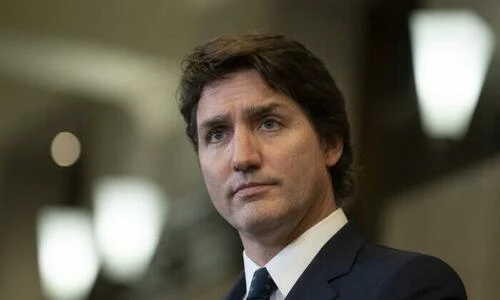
<point>100,192</point>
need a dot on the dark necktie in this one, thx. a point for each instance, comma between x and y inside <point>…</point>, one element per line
<point>262,285</point>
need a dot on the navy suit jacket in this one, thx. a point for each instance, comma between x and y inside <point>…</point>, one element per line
<point>347,267</point>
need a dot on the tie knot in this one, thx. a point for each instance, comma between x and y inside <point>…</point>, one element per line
<point>262,285</point>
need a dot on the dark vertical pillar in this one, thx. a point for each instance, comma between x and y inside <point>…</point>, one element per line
<point>387,94</point>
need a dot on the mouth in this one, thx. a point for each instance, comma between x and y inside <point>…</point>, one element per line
<point>252,188</point>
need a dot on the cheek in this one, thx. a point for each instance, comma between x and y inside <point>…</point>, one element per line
<point>210,178</point>
<point>213,176</point>
<point>302,164</point>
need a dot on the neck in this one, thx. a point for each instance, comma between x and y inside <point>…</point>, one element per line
<point>262,247</point>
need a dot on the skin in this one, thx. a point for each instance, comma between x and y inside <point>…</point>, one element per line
<point>264,166</point>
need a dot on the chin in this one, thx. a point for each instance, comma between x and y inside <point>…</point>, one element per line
<point>257,223</point>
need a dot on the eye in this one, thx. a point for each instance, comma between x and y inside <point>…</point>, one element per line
<point>215,136</point>
<point>270,124</point>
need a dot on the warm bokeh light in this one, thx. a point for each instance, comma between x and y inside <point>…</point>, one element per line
<point>65,149</point>
<point>451,53</point>
<point>67,258</point>
<point>129,216</point>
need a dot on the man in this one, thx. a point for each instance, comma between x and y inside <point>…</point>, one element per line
<point>272,137</point>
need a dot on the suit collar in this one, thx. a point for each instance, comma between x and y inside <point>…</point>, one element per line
<point>334,260</point>
<point>338,255</point>
<point>238,290</point>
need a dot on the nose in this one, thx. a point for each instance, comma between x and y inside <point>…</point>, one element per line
<point>246,155</point>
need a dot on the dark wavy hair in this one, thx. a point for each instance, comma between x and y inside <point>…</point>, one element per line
<point>287,67</point>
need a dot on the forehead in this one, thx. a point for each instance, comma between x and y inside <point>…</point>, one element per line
<point>237,92</point>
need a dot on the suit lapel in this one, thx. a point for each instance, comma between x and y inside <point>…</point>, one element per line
<point>238,290</point>
<point>334,260</point>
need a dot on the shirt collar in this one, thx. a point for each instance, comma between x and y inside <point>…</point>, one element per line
<point>287,266</point>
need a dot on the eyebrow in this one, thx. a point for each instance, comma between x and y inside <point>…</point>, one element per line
<point>214,121</point>
<point>249,113</point>
<point>254,112</point>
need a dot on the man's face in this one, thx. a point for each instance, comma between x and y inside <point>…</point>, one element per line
<point>263,163</point>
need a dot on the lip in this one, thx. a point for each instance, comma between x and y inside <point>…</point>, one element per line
<point>250,189</point>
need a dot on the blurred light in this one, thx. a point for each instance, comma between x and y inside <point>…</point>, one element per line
<point>67,257</point>
<point>65,149</point>
<point>129,216</point>
<point>137,82</point>
<point>451,53</point>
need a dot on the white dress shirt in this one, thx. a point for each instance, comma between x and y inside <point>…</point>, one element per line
<point>287,266</point>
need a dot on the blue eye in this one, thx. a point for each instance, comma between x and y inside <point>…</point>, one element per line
<point>270,124</point>
<point>215,136</point>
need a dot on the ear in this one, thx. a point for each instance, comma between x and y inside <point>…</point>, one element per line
<point>333,151</point>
